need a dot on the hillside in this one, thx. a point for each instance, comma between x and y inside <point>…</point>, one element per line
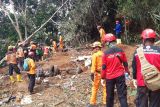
<point>69,89</point>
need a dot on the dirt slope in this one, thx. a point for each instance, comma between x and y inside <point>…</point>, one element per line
<point>61,91</point>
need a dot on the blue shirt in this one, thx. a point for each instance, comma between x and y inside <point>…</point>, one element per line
<point>118,28</point>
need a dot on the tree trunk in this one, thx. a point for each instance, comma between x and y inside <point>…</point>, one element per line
<point>25,18</point>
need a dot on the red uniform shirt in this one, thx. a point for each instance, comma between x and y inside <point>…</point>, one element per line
<point>152,54</point>
<point>114,63</point>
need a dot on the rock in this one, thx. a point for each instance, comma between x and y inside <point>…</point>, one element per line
<point>41,105</point>
<point>74,71</point>
<point>53,71</point>
<point>40,72</point>
<point>79,70</point>
<point>87,62</point>
<point>19,97</point>
<point>26,100</point>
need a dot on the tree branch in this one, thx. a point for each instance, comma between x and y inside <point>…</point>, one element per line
<point>46,21</point>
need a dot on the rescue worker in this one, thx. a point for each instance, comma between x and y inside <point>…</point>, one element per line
<point>118,30</point>
<point>39,53</point>
<point>96,74</point>
<point>33,48</point>
<point>45,52</point>
<point>146,97</point>
<point>101,32</point>
<point>114,66</point>
<point>20,55</point>
<point>11,59</point>
<point>61,44</point>
<point>54,46</point>
<point>32,71</point>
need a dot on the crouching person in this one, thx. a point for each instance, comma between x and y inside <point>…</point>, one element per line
<point>31,71</point>
<point>11,59</point>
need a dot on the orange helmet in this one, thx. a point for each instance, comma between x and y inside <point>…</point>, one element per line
<point>109,37</point>
<point>148,33</point>
<point>97,44</point>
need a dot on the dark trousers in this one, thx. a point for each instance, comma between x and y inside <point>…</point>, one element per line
<point>147,98</point>
<point>121,90</point>
<point>118,35</point>
<point>20,62</point>
<point>32,78</point>
<point>13,67</point>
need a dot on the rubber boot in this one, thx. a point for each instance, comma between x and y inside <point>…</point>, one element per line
<point>118,41</point>
<point>12,79</point>
<point>19,78</point>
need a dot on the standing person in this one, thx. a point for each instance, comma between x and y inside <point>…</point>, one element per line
<point>39,53</point>
<point>114,65</point>
<point>45,52</point>
<point>96,69</point>
<point>31,72</point>
<point>152,55</point>
<point>118,30</point>
<point>61,44</point>
<point>11,59</point>
<point>20,55</point>
<point>101,32</point>
<point>54,46</point>
<point>33,48</point>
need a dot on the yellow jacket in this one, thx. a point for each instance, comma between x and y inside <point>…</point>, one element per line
<point>102,33</point>
<point>54,44</point>
<point>60,40</point>
<point>96,62</point>
<point>32,66</point>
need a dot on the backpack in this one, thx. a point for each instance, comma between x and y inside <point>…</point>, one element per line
<point>26,65</point>
<point>39,52</point>
<point>150,73</point>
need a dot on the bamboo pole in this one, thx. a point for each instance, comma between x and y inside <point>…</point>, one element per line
<point>46,21</point>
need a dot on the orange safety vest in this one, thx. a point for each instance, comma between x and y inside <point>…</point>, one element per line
<point>20,53</point>
<point>11,58</point>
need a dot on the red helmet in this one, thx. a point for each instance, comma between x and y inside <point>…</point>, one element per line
<point>109,37</point>
<point>148,33</point>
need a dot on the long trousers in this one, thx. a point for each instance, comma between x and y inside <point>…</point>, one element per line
<point>32,78</point>
<point>147,98</point>
<point>95,86</point>
<point>121,90</point>
<point>13,67</point>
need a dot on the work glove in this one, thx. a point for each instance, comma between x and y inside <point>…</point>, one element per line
<point>103,82</point>
<point>92,76</point>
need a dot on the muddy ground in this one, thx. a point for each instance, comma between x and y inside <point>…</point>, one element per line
<point>65,90</point>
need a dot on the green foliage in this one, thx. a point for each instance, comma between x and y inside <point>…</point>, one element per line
<point>78,19</point>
